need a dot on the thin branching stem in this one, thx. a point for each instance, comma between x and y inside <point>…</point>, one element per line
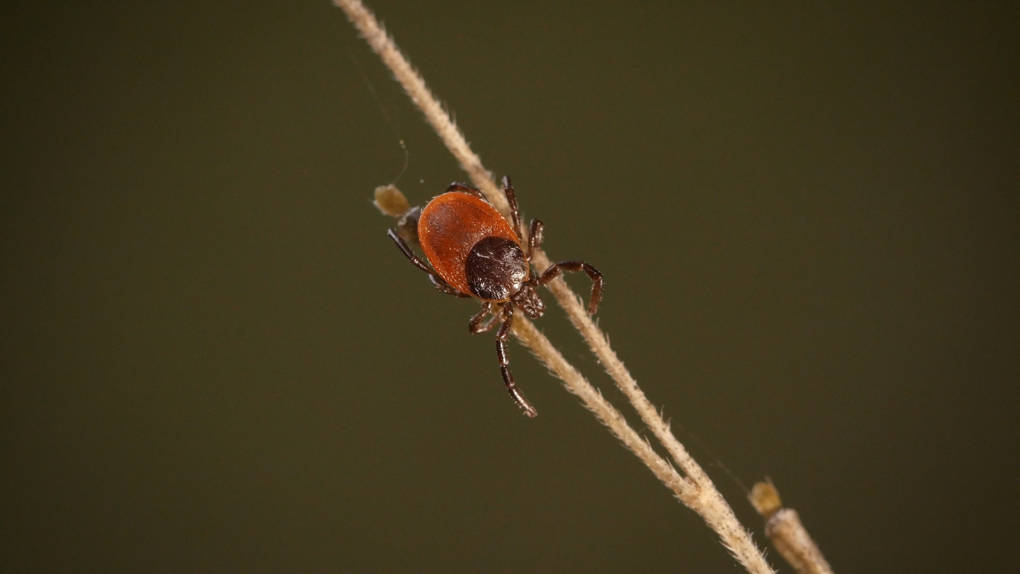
<point>694,489</point>
<point>710,503</point>
<point>606,413</point>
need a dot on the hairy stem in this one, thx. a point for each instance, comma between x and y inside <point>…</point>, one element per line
<point>710,503</point>
<point>412,82</point>
<point>787,532</point>
<point>694,489</point>
<point>606,413</point>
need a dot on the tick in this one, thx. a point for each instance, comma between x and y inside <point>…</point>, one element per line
<point>473,251</point>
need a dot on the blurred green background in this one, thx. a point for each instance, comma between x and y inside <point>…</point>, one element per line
<point>215,360</point>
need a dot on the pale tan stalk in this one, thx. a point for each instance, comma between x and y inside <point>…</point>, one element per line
<point>606,413</point>
<point>695,490</point>
<point>787,532</point>
<point>412,82</point>
<point>710,504</point>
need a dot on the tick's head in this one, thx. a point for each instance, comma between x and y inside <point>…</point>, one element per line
<point>527,300</point>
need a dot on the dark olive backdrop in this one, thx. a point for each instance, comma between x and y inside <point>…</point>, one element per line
<point>215,361</point>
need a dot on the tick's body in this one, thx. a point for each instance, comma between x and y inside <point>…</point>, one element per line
<point>475,252</point>
<point>459,234</point>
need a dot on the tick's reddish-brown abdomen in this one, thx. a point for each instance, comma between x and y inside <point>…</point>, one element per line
<point>449,227</point>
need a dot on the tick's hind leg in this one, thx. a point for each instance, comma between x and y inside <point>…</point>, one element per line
<point>479,323</point>
<point>436,280</point>
<point>556,269</point>
<point>504,364</point>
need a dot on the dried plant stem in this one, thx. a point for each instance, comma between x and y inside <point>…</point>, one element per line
<point>711,505</point>
<point>695,489</point>
<point>414,85</point>
<point>787,532</point>
<point>606,413</point>
<point>599,343</point>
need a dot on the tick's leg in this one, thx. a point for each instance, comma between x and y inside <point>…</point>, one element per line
<point>457,186</point>
<point>479,323</point>
<point>392,234</point>
<point>504,363</point>
<point>555,269</point>
<point>444,287</point>
<point>535,237</point>
<point>436,280</point>
<point>511,198</point>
